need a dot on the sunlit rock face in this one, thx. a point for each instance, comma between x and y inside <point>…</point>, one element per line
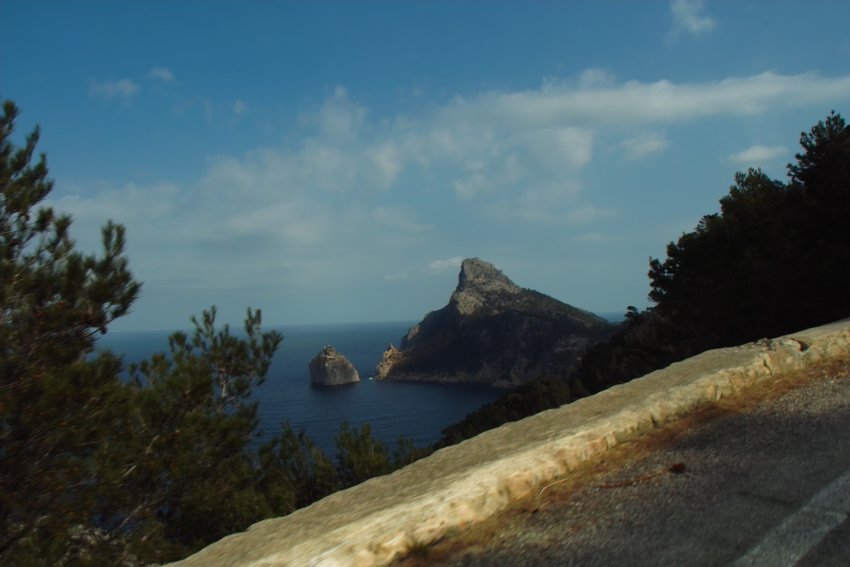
<point>330,368</point>
<point>493,332</point>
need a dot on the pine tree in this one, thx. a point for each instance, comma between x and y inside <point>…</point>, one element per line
<point>191,474</point>
<point>56,405</point>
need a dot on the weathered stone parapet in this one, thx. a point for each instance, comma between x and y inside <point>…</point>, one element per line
<point>375,522</point>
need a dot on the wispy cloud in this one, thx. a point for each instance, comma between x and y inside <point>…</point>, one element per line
<point>689,17</point>
<point>756,155</point>
<point>547,202</point>
<point>161,74</point>
<point>644,145</point>
<point>239,107</point>
<point>444,265</point>
<point>636,102</point>
<point>123,89</point>
<point>432,268</point>
<point>352,186</point>
<point>339,117</point>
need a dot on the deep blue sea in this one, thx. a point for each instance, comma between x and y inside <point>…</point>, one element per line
<point>418,411</point>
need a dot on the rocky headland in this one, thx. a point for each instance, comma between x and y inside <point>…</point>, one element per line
<point>493,332</point>
<point>330,368</point>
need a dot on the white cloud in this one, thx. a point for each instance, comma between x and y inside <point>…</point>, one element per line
<point>161,74</point>
<point>633,102</point>
<point>432,268</point>
<point>688,16</point>
<point>644,145</point>
<point>124,89</point>
<point>546,202</point>
<point>239,107</point>
<point>758,154</point>
<point>129,203</point>
<point>351,187</point>
<point>386,161</point>
<point>595,78</point>
<point>554,147</point>
<point>339,118</point>
<point>444,265</point>
<point>473,182</point>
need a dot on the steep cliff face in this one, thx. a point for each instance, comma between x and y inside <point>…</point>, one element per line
<point>493,332</point>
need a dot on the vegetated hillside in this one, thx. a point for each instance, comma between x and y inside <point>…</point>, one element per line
<point>493,332</point>
<point>776,259</point>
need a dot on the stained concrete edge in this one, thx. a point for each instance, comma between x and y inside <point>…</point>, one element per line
<point>373,523</point>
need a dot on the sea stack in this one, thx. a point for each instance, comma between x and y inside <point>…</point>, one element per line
<point>330,368</point>
<point>493,332</point>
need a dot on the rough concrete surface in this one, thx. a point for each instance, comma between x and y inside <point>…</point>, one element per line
<point>385,517</point>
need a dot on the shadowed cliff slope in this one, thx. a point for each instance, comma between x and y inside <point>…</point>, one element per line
<point>493,332</point>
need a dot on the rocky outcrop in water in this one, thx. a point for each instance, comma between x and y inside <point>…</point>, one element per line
<point>493,332</point>
<point>330,368</point>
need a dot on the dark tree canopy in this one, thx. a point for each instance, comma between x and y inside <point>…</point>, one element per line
<point>774,260</point>
<point>54,299</point>
<point>776,257</point>
<point>56,405</point>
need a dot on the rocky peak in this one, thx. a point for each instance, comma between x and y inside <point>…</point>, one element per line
<point>493,332</point>
<point>476,273</point>
<point>480,284</point>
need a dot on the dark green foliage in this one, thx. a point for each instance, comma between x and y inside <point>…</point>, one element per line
<point>54,299</point>
<point>776,259</point>
<point>191,426</point>
<point>735,276</point>
<point>360,456</point>
<point>645,342</point>
<point>528,399</point>
<point>822,169</point>
<point>56,407</point>
<point>406,452</point>
<point>822,177</point>
<point>294,472</point>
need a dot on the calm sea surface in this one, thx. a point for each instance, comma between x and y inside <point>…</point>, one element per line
<point>419,411</point>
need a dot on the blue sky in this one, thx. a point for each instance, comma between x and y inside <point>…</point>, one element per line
<point>334,161</point>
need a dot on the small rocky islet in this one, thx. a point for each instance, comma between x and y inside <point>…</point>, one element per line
<point>331,368</point>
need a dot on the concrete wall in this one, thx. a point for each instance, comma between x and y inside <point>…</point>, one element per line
<point>379,520</point>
